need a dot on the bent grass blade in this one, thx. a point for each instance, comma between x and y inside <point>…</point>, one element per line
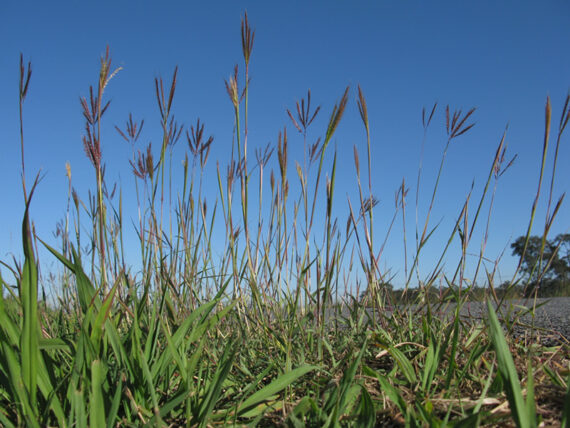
<point>523,412</point>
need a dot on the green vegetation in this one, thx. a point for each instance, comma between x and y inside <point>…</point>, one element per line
<point>265,335</point>
<point>545,265</point>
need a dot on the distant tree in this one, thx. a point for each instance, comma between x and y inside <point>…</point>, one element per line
<point>383,286</point>
<point>562,267</point>
<point>509,290</point>
<point>550,265</point>
<point>534,264</point>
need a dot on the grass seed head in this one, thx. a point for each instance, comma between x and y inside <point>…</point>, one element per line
<point>363,109</point>
<point>25,75</point>
<point>336,115</point>
<point>282,154</point>
<point>132,131</point>
<point>247,37</point>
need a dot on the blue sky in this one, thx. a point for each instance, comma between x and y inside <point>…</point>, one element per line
<point>502,57</point>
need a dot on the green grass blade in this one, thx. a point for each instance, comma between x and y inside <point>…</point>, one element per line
<point>366,413</point>
<point>345,388</point>
<point>193,361</point>
<point>189,331</point>
<point>274,387</point>
<point>78,416</point>
<point>430,366</point>
<point>404,364</point>
<point>215,386</point>
<point>28,287</point>
<point>305,406</point>
<point>454,341</point>
<point>256,381</point>
<point>149,382</point>
<point>170,405</point>
<point>53,344</point>
<point>85,290</point>
<point>96,401</point>
<point>101,318</point>
<point>11,329</point>
<point>273,403</point>
<point>5,422</point>
<point>20,395</point>
<point>114,410</point>
<point>173,353</point>
<point>508,371</point>
<point>391,392</point>
<point>112,335</point>
<point>45,385</point>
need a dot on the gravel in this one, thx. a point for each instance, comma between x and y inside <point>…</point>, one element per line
<point>551,320</point>
<point>551,317</point>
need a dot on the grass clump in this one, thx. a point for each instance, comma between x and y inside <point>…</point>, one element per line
<point>268,334</point>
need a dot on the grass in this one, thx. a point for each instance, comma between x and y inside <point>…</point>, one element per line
<point>266,335</point>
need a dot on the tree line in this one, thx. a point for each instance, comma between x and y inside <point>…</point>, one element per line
<point>544,266</point>
<point>544,270</point>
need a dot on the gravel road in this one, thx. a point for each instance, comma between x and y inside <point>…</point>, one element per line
<point>551,321</point>
<point>552,317</point>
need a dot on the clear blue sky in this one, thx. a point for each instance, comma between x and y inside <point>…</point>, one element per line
<point>502,57</point>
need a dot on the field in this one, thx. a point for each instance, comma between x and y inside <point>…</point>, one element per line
<point>267,334</point>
